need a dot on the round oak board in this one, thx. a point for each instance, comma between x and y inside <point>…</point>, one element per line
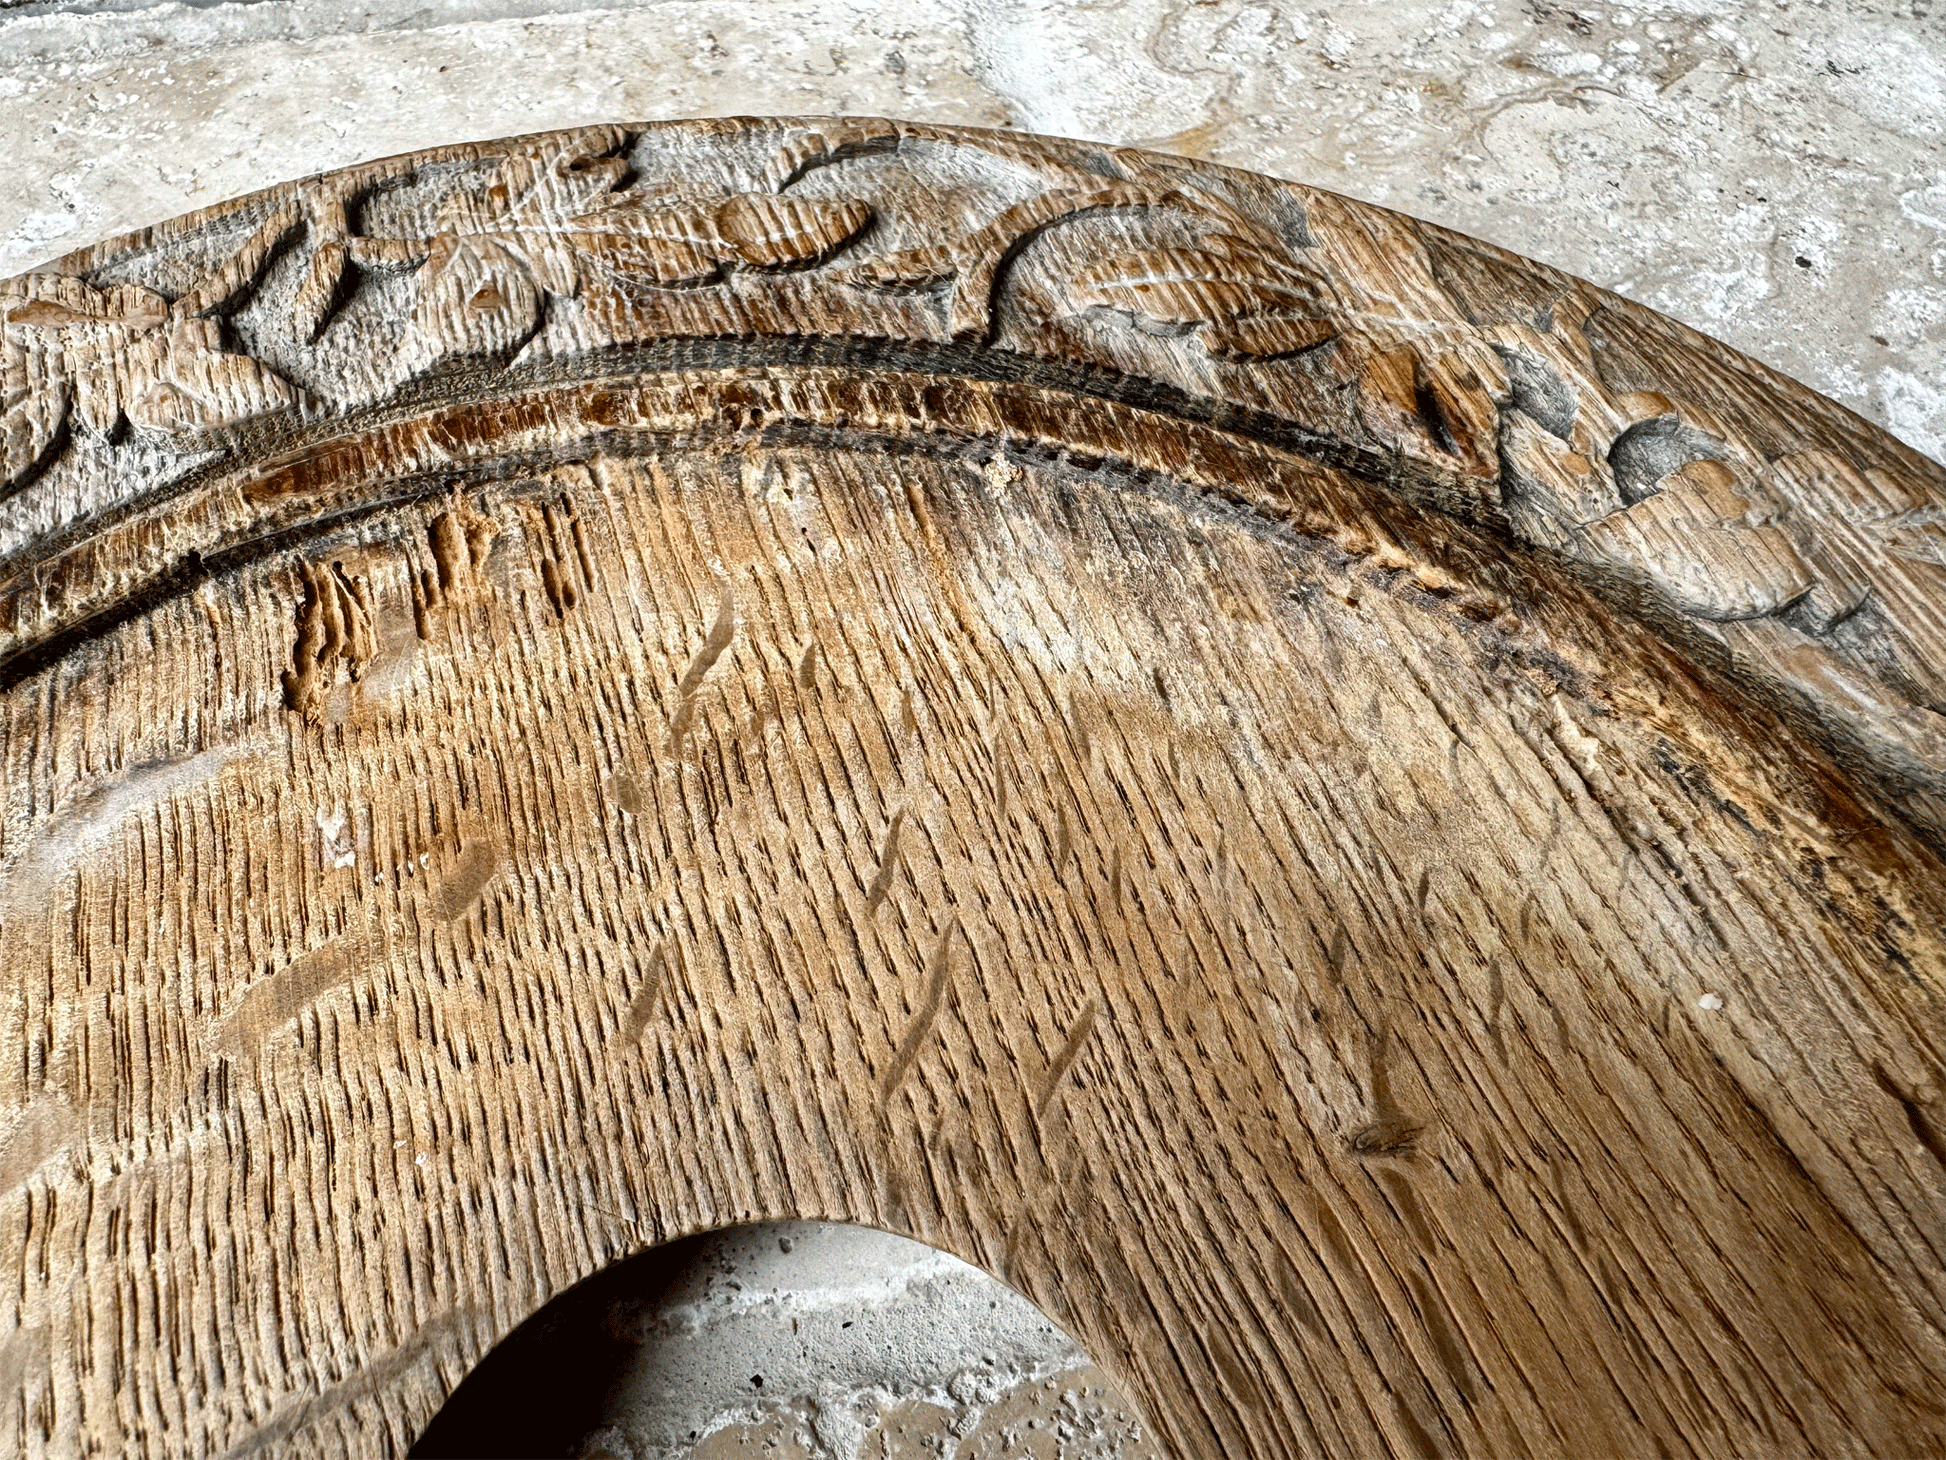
<point>1358,818</point>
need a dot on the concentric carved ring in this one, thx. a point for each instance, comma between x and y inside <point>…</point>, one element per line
<point>1758,524</point>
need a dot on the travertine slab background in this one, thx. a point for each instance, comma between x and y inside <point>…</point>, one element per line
<point>1770,171</point>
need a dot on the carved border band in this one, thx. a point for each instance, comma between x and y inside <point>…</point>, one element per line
<point>144,380</point>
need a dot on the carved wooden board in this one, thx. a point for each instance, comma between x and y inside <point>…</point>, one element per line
<point>1358,818</point>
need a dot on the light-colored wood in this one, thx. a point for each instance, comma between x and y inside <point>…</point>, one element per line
<point>1357,818</point>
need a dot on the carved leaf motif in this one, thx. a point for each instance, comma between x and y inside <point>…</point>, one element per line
<point>1184,286</point>
<point>778,233</point>
<point>973,263</point>
<point>665,247</point>
<point>1248,303</point>
<point>1710,542</point>
<point>33,408</point>
<point>547,222</point>
<point>127,353</point>
<point>691,242</point>
<point>1237,287</point>
<point>192,385</point>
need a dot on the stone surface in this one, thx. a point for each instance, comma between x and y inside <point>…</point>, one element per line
<point>1773,173</point>
<point>793,1341</point>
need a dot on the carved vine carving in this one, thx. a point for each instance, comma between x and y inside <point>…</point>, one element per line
<point>1801,547</point>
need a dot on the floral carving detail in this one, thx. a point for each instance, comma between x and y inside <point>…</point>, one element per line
<point>1238,284</point>
<point>1444,370</point>
<point>126,353</point>
<point>551,219</point>
<point>971,264</point>
<point>1713,541</point>
<point>1661,491</point>
<point>1243,301</point>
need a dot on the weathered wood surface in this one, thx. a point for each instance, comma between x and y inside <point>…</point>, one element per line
<point>1358,818</point>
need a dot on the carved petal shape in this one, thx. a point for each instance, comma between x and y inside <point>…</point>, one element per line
<point>475,300</point>
<point>193,386</point>
<point>689,243</point>
<point>1695,541</point>
<point>126,355</point>
<point>1190,286</point>
<point>767,232</point>
<point>33,406</point>
<point>319,291</point>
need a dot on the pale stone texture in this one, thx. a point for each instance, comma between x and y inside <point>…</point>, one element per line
<point>794,1341</point>
<point>1773,173</point>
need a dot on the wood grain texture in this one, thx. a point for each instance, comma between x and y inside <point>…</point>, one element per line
<point>1357,818</point>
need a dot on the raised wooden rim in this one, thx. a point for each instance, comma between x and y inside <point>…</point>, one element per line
<point>1803,560</point>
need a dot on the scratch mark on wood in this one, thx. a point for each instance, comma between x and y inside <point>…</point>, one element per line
<point>1070,1051</point>
<point>1398,1187</point>
<point>1421,1440</point>
<point>946,573</point>
<point>462,887</point>
<point>641,1008</point>
<point>938,981</point>
<point>888,863</point>
<point>1334,958</point>
<point>1443,1330</point>
<point>1238,1376</point>
<point>45,1127</point>
<point>720,634</point>
<point>433,1341</point>
<point>1389,1132</point>
<point>83,825</point>
<point>1080,730</point>
<point>1295,1299</point>
<point>1496,999</point>
<point>23,1358</point>
<point>272,1002</point>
